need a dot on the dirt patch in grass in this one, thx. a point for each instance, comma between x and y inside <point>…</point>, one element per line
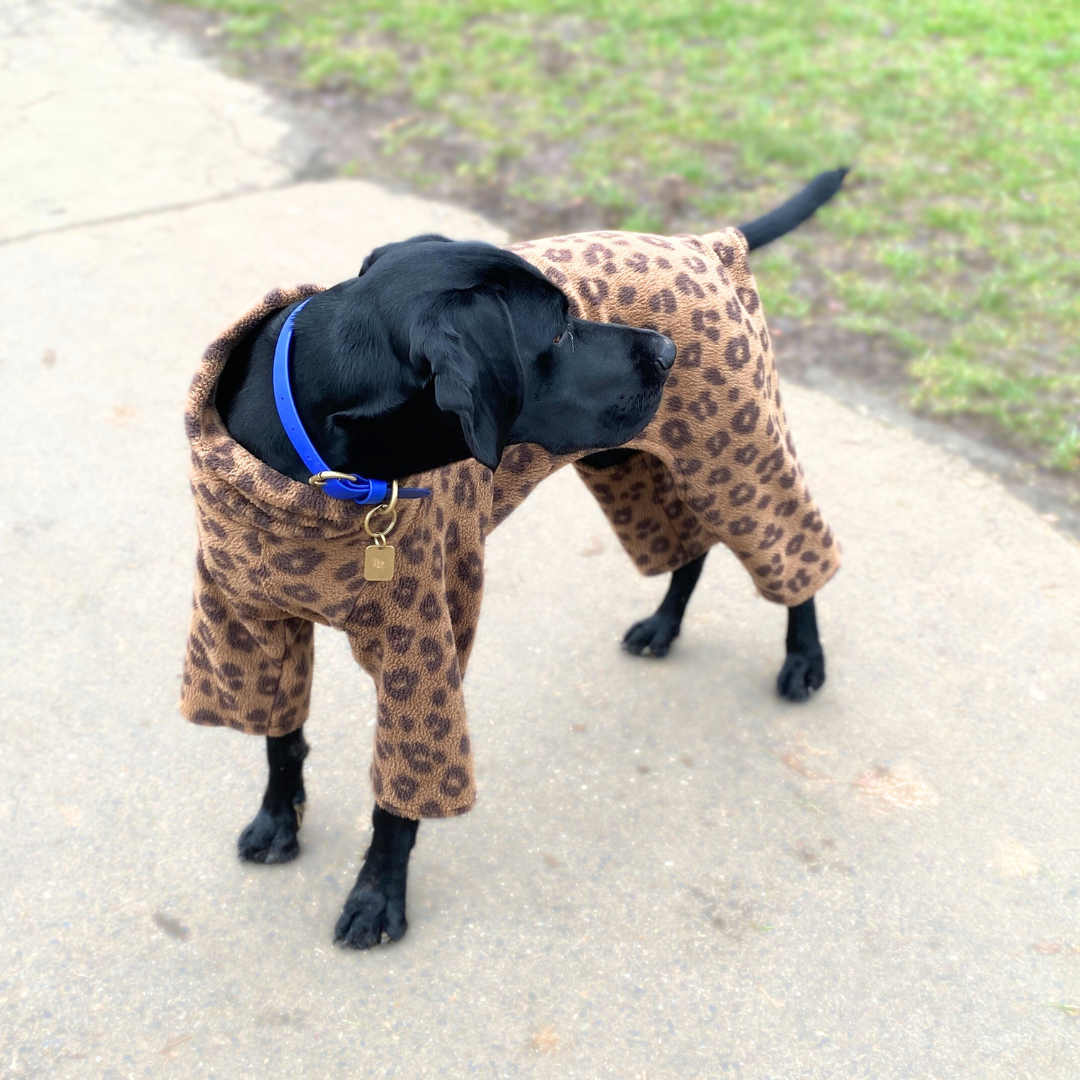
<point>935,291</point>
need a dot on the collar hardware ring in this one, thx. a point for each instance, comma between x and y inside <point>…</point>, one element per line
<point>389,508</point>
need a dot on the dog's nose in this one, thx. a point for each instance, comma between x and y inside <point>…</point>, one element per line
<point>665,357</point>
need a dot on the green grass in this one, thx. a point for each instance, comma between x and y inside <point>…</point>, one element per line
<point>959,238</point>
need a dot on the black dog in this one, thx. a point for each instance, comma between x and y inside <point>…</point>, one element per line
<point>439,351</point>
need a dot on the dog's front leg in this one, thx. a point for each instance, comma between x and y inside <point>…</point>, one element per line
<point>804,668</point>
<point>376,904</point>
<point>271,836</point>
<point>659,630</point>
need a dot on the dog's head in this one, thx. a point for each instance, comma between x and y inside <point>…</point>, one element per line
<point>499,346</point>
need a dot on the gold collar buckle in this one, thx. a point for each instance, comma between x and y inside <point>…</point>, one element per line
<point>320,478</point>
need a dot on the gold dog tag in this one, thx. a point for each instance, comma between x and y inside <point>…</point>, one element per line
<point>379,562</point>
<point>379,558</point>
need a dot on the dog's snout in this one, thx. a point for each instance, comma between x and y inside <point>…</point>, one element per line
<point>665,355</point>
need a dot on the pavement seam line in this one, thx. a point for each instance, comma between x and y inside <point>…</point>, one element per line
<point>151,211</point>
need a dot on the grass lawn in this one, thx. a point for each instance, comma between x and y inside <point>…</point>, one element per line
<point>959,238</point>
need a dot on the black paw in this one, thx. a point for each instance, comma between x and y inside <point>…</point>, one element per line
<point>271,837</point>
<point>654,634</point>
<point>800,675</point>
<point>369,914</point>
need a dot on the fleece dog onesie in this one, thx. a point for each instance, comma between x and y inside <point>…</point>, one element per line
<point>717,464</point>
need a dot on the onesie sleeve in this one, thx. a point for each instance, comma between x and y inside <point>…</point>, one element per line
<point>241,671</point>
<point>414,635</point>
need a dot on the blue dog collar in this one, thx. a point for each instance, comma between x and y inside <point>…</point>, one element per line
<point>335,484</point>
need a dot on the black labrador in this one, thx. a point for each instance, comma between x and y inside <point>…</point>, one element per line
<point>438,351</point>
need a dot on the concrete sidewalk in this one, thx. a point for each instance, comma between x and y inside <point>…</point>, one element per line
<point>670,873</point>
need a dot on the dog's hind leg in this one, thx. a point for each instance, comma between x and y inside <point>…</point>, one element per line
<point>804,668</point>
<point>271,836</point>
<point>656,633</point>
<point>376,904</point>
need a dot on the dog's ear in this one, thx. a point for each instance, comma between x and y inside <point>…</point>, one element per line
<point>469,342</point>
<point>379,252</point>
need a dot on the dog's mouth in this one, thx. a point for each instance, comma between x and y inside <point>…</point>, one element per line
<point>630,417</point>
<point>654,356</point>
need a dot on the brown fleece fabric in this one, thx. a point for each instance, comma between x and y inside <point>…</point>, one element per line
<point>276,556</point>
<point>718,464</point>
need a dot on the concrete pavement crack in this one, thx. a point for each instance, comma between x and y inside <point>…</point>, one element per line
<point>150,211</point>
<point>268,156</point>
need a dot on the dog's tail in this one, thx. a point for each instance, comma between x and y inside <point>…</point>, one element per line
<point>764,230</point>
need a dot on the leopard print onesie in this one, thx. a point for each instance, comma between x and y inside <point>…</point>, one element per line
<point>716,464</point>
